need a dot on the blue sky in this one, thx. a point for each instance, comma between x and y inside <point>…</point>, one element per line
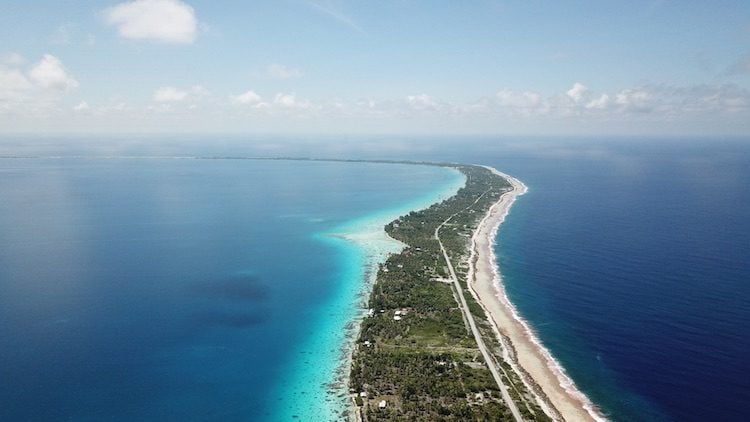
<point>401,66</point>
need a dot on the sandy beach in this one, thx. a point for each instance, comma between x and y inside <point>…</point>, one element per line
<point>522,347</point>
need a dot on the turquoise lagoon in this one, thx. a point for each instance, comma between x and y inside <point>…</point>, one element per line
<point>184,289</point>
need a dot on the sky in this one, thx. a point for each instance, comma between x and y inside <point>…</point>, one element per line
<point>615,68</point>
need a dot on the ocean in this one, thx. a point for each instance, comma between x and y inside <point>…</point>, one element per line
<point>182,289</point>
<point>157,288</point>
<point>631,262</point>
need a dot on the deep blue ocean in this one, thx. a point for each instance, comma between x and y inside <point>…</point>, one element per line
<point>633,265</point>
<point>191,289</point>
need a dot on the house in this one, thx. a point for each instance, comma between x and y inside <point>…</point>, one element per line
<point>382,404</point>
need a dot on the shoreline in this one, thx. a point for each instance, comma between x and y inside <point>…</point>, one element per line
<point>362,244</point>
<point>522,348</point>
<point>367,235</point>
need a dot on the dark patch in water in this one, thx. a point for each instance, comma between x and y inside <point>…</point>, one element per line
<point>229,319</point>
<point>239,288</point>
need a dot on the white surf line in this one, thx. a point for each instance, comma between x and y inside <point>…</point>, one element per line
<point>541,400</point>
<point>590,411</point>
<point>474,330</point>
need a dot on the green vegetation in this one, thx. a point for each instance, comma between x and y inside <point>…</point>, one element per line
<point>415,352</point>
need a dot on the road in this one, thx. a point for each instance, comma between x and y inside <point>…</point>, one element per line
<point>470,318</point>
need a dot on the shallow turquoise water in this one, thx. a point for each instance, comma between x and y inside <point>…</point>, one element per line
<point>316,381</point>
<point>153,289</point>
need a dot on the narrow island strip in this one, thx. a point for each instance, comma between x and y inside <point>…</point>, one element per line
<point>441,340</point>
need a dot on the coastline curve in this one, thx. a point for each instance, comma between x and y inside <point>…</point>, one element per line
<point>555,391</point>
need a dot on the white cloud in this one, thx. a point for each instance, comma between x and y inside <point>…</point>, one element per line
<point>523,103</point>
<point>14,85</point>
<point>82,106</point>
<point>170,94</point>
<point>527,99</point>
<point>598,103</point>
<point>658,102</point>
<point>286,100</point>
<point>248,98</point>
<point>199,91</point>
<point>422,102</point>
<point>654,108</point>
<point>577,92</point>
<point>170,21</point>
<point>167,94</point>
<point>40,86</point>
<point>50,73</point>
<point>281,102</point>
<point>280,71</point>
<point>290,101</point>
<point>634,99</point>
<point>728,98</point>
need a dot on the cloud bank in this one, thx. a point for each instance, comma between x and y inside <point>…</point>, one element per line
<point>577,109</point>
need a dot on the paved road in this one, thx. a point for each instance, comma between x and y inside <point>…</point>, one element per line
<point>470,318</point>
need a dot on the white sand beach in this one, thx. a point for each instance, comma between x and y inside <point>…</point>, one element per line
<point>522,347</point>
